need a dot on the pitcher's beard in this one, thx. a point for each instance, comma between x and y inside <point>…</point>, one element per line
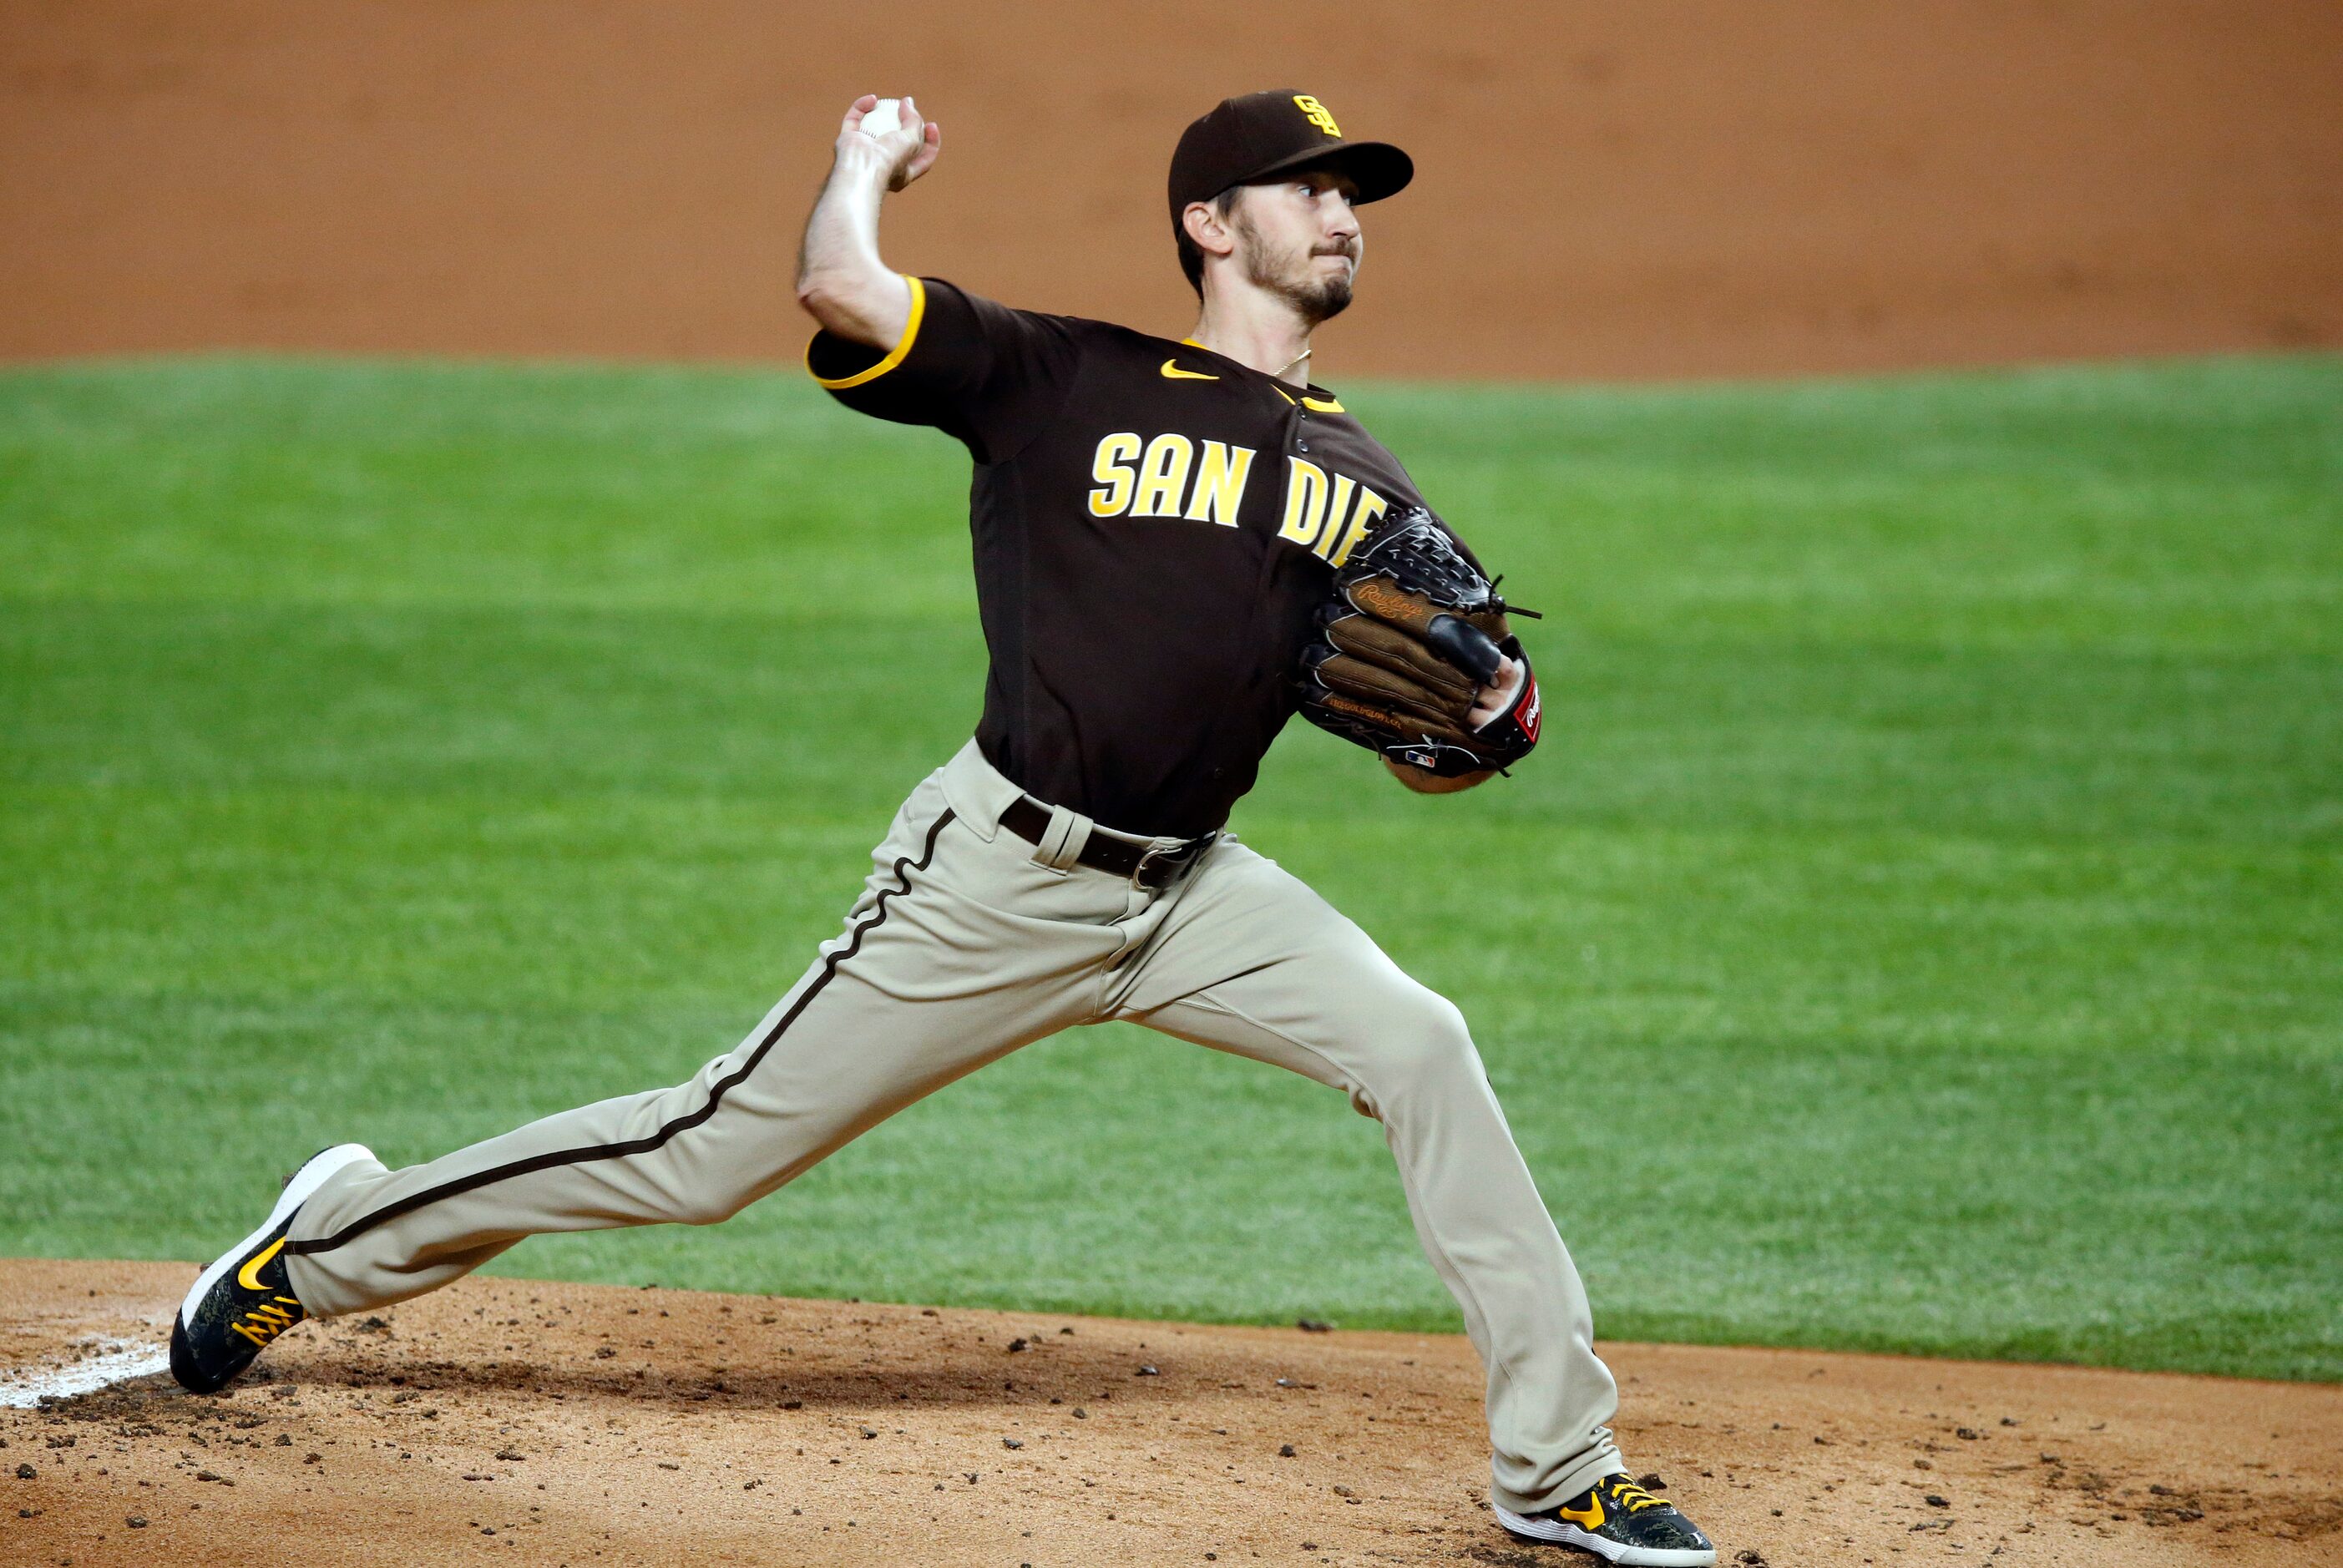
<point>1319,302</point>
<point>1315,299</point>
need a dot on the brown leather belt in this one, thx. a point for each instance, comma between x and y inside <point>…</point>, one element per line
<point>1144,863</point>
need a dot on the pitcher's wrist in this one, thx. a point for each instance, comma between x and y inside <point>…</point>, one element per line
<point>863,161</point>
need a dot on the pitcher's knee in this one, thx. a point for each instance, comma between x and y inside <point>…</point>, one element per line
<point>707,1207</point>
<point>1421,1041</point>
<point>703,1202</point>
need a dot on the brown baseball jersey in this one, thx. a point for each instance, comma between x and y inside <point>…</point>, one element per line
<point>1155,525</point>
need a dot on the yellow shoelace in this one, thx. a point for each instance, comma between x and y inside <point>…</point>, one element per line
<point>1626,1494</point>
<point>263,1323</point>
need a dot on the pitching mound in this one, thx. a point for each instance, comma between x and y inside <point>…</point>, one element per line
<point>523,1422</point>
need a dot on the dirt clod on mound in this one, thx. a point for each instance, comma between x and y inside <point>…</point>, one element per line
<point>553,1423</point>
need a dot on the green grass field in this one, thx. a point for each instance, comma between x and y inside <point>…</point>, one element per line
<point>1921,930</point>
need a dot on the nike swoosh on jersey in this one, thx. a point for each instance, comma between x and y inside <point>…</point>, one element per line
<point>1172,372</point>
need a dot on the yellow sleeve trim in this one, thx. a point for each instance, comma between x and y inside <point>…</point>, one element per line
<point>894,356</point>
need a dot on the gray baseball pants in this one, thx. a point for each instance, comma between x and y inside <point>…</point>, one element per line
<point>968,942</point>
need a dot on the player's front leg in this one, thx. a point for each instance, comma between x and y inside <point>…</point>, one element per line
<point>1256,963</point>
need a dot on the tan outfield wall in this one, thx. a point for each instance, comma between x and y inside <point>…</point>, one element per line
<point>1637,189</point>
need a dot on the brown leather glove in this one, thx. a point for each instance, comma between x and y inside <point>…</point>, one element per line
<point>1412,634</point>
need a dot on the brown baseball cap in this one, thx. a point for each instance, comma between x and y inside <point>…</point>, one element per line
<point>1261,134</point>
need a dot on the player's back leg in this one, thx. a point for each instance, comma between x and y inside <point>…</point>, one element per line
<point>931,976</point>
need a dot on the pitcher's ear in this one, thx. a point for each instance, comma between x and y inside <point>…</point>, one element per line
<point>1207,230</point>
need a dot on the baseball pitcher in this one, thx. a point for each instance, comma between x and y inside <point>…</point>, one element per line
<point>1179,545</point>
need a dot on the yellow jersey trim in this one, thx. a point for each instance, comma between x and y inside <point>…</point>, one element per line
<point>894,356</point>
<point>1316,405</point>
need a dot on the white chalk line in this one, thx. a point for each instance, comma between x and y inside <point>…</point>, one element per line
<point>112,1361</point>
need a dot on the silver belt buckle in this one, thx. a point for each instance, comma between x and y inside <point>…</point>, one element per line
<point>1183,855</point>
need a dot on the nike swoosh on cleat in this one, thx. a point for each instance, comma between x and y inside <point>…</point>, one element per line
<point>1171,372</point>
<point>246,1276</point>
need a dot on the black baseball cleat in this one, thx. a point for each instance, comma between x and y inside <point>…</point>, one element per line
<point>243,1302</point>
<point>1617,1519</point>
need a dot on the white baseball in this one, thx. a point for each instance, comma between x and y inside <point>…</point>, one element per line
<point>885,118</point>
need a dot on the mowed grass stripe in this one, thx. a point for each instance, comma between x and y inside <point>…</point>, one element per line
<point>2000,741</point>
<point>1920,932</point>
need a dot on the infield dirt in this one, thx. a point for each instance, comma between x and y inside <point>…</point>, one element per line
<point>529,1423</point>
